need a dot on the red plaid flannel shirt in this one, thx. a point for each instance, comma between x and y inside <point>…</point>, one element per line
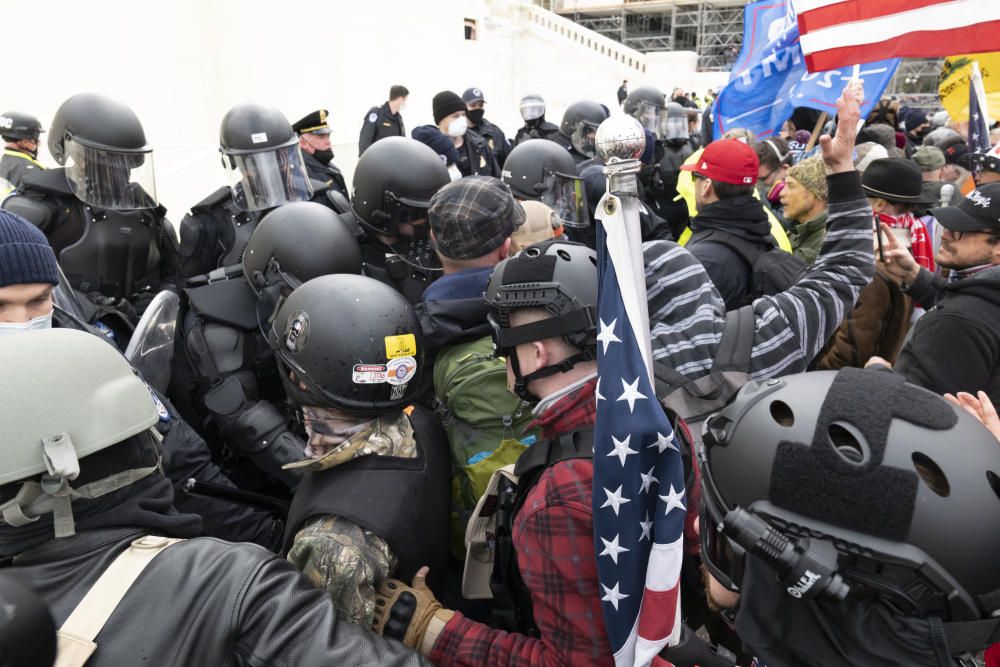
<point>554,538</point>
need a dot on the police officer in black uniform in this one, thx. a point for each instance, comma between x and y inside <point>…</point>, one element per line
<point>99,211</point>
<point>535,126</point>
<point>266,169</point>
<point>494,136</point>
<point>668,123</point>
<point>384,121</point>
<point>20,132</point>
<point>376,460</point>
<point>393,184</point>
<point>314,140</point>
<point>224,381</point>
<point>578,129</point>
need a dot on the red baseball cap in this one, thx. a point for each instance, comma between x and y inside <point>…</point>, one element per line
<point>727,161</point>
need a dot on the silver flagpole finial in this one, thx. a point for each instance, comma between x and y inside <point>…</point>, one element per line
<point>620,142</point>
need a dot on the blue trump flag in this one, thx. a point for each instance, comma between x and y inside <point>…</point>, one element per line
<point>770,78</point>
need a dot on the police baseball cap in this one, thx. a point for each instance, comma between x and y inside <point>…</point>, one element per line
<point>979,212</point>
<point>727,161</point>
<point>314,123</point>
<point>473,95</point>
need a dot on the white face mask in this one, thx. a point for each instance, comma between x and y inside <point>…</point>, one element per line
<point>458,127</point>
<point>43,322</point>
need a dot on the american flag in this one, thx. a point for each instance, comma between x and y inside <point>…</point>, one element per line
<point>979,124</point>
<point>835,33</point>
<point>639,497</point>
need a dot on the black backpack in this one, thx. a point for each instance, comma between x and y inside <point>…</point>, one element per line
<point>773,269</point>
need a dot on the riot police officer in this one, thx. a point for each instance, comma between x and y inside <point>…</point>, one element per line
<point>225,382</point>
<point>99,211</point>
<point>314,140</point>
<point>393,184</point>
<point>266,169</point>
<point>375,500</point>
<point>539,170</point>
<point>20,132</point>
<point>578,129</point>
<point>532,109</point>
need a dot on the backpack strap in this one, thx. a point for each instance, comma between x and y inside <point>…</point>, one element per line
<point>77,634</point>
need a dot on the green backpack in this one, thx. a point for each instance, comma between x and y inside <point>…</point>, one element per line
<point>484,423</point>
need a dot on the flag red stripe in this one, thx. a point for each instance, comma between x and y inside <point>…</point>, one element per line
<point>856,10</point>
<point>979,38</point>
<point>656,618</point>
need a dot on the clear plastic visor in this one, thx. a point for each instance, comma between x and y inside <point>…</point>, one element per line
<point>268,179</point>
<point>109,179</point>
<point>532,109</point>
<point>651,116</point>
<point>567,197</point>
<point>674,128</point>
<point>584,137</point>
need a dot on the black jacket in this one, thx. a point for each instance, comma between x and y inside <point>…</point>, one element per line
<point>495,139</point>
<point>203,602</point>
<point>475,158</point>
<point>537,129</point>
<point>14,164</point>
<point>731,274</point>
<point>379,123</point>
<point>956,345</point>
<point>328,173</point>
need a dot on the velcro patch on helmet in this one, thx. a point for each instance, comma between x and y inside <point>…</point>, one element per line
<point>297,332</point>
<point>858,492</point>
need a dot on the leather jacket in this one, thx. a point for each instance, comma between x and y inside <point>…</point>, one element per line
<point>203,602</point>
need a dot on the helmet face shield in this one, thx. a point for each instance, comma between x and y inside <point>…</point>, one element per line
<point>675,127</point>
<point>651,116</point>
<point>584,138</point>
<point>111,179</point>
<point>567,197</point>
<point>532,108</point>
<point>268,179</point>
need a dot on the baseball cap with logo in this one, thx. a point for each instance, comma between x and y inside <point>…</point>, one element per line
<point>727,161</point>
<point>978,212</point>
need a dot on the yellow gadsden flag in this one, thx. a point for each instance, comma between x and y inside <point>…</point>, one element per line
<point>954,87</point>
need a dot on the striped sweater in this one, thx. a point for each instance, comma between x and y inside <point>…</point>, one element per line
<point>687,314</point>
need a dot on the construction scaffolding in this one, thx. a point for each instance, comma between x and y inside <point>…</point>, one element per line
<point>711,28</point>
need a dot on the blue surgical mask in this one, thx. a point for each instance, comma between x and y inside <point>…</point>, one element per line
<point>43,322</point>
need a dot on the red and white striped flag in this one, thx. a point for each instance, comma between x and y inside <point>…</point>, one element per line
<point>838,33</point>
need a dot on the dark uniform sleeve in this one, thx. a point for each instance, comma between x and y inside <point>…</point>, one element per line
<point>949,352</point>
<point>281,619</point>
<point>368,129</point>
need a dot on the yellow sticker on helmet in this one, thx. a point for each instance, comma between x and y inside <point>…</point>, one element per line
<point>400,346</point>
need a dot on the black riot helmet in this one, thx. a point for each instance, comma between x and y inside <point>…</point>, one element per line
<point>542,170</point>
<point>532,108</point>
<point>847,486</point>
<point>260,152</point>
<point>559,277</point>
<point>352,342</point>
<point>580,123</point>
<point>393,183</point>
<point>674,129</point>
<point>648,94</point>
<point>101,143</point>
<point>17,125</point>
<point>297,242</point>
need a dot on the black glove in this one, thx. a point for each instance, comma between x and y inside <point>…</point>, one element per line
<point>693,651</point>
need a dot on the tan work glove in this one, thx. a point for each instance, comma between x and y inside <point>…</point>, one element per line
<point>410,614</point>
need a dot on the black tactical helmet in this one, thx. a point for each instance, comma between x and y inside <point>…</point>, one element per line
<point>854,481</point>
<point>301,240</point>
<point>251,128</point>
<point>649,94</point>
<point>353,342</point>
<point>97,122</point>
<point>15,125</point>
<point>580,123</point>
<point>394,182</point>
<point>558,276</point>
<point>530,162</point>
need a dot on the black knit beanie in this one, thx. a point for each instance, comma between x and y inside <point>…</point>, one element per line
<point>446,103</point>
<point>25,254</point>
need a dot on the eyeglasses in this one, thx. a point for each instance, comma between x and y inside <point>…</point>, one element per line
<point>958,235</point>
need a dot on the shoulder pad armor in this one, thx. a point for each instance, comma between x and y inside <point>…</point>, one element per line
<point>214,199</point>
<point>38,213</point>
<point>229,302</point>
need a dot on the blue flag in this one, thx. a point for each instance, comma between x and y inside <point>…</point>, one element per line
<point>639,498</point>
<point>770,79</point>
<point>979,128</point>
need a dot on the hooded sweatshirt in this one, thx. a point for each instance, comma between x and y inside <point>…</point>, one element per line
<point>687,313</point>
<point>956,345</point>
